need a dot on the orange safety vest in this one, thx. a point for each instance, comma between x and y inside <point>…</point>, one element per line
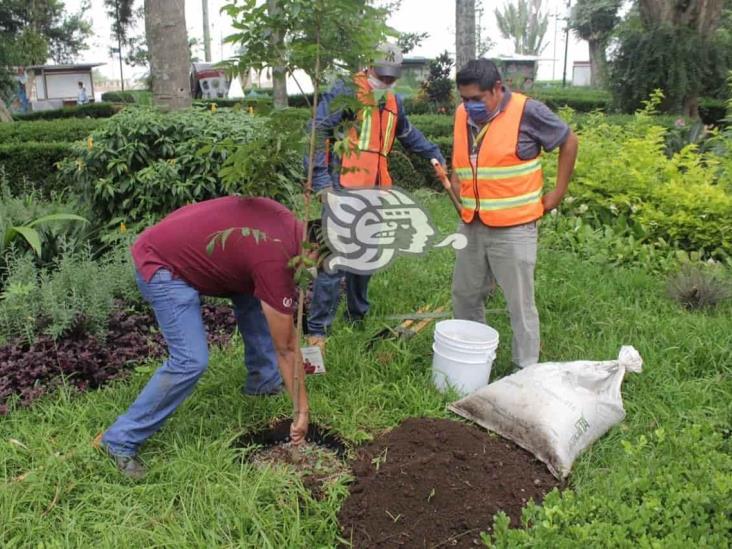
<point>502,189</point>
<point>367,164</point>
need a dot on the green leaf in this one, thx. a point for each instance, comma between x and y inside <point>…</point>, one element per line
<point>56,217</point>
<point>211,245</point>
<point>31,236</point>
<point>224,237</point>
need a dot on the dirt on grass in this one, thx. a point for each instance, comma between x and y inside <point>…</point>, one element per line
<point>318,461</point>
<point>438,483</point>
<point>316,465</point>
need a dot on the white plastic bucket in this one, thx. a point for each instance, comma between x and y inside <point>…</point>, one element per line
<point>458,352</point>
<point>467,333</point>
<point>464,352</point>
<point>464,377</point>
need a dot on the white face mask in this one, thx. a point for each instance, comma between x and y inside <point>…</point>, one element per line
<point>377,84</point>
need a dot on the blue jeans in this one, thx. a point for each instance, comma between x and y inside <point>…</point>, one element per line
<point>177,308</point>
<point>327,293</point>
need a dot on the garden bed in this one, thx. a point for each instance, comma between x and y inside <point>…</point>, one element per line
<point>29,370</point>
<point>437,482</point>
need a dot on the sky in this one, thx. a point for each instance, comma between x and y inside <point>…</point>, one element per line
<point>436,17</point>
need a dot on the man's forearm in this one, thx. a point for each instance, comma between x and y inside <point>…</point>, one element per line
<point>455,183</point>
<point>565,164</point>
<point>287,363</point>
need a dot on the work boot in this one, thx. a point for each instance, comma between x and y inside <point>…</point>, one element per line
<point>129,466</point>
<point>317,341</point>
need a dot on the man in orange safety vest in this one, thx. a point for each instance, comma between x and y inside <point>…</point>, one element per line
<point>498,139</point>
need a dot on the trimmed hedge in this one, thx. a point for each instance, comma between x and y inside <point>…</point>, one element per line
<point>118,97</point>
<point>65,129</point>
<point>579,99</point>
<point>411,171</point>
<point>432,125</point>
<point>91,110</point>
<point>712,111</point>
<point>33,162</point>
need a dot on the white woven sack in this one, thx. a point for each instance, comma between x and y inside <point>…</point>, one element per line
<point>554,409</point>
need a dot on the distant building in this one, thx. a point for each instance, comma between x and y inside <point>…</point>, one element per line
<point>518,71</point>
<point>581,74</point>
<point>56,86</point>
<point>415,70</point>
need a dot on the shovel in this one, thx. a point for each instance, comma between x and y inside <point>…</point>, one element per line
<point>411,326</point>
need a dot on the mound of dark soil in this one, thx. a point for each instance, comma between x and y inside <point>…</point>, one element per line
<point>437,482</point>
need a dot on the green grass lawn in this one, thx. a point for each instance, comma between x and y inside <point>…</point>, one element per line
<point>663,478</point>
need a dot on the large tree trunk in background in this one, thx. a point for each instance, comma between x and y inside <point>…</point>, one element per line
<point>170,63</point>
<point>598,64</point>
<point>279,74</point>
<point>700,15</point>
<point>464,32</point>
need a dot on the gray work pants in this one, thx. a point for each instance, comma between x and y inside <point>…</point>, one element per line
<point>507,256</point>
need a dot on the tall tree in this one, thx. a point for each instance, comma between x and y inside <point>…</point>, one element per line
<point>167,42</point>
<point>594,21</point>
<point>525,25</point>
<point>673,46</point>
<point>32,31</point>
<point>464,32</point>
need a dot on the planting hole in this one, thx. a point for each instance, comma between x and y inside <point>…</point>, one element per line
<point>319,461</point>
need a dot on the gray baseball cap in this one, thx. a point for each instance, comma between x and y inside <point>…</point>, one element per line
<point>388,60</point>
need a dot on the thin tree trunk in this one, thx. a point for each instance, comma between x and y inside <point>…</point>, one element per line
<point>5,115</point>
<point>691,107</point>
<point>279,73</point>
<point>167,40</point>
<point>464,32</point>
<point>598,64</point>
<point>206,32</point>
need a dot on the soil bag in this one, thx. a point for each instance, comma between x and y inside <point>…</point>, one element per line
<point>554,409</point>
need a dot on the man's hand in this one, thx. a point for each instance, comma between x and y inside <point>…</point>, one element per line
<point>299,428</point>
<point>565,166</point>
<point>551,200</point>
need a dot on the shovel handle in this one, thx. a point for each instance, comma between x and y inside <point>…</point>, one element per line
<point>442,175</point>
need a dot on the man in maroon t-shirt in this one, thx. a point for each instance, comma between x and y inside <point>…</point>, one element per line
<point>176,265</point>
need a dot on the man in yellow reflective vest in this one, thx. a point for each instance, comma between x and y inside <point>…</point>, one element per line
<point>378,122</point>
<point>498,139</point>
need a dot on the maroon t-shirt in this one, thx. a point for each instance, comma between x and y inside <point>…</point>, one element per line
<point>243,266</point>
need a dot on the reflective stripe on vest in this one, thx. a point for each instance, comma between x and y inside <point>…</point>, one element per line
<point>503,189</point>
<point>367,165</point>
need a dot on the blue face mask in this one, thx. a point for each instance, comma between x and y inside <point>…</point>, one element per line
<point>478,112</point>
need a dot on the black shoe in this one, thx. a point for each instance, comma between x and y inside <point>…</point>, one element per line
<point>129,466</point>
